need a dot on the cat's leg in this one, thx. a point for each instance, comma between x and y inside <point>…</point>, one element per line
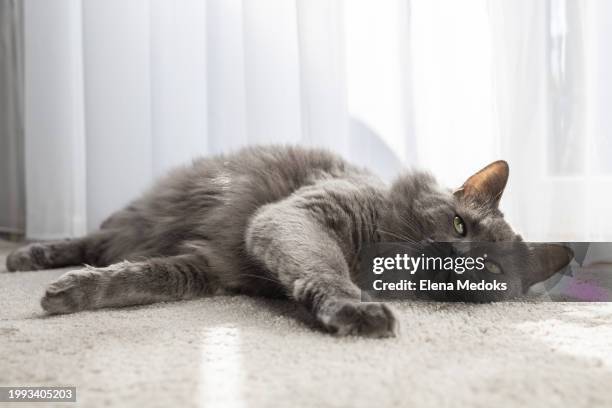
<point>305,257</point>
<point>128,283</point>
<point>58,254</point>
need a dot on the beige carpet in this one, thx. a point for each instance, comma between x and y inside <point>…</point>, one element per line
<point>242,352</point>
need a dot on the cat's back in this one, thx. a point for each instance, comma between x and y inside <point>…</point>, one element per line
<point>215,196</point>
<point>257,175</point>
<point>276,171</point>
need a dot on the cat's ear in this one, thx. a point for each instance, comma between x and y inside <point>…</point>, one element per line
<point>487,185</point>
<point>548,260</point>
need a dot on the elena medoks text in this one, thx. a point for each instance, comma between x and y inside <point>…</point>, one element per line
<point>411,265</point>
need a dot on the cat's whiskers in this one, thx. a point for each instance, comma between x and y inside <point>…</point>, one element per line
<point>399,236</point>
<point>412,226</point>
<point>261,277</point>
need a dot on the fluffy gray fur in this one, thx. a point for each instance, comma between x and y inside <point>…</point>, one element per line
<point>271,221</point>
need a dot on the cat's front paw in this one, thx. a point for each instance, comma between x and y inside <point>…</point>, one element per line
<point>362,319</point>
<point>68,294</point>
<point>28,258</point>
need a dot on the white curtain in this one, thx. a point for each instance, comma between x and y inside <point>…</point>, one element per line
<point>117,92</point>
<point>553,89</point>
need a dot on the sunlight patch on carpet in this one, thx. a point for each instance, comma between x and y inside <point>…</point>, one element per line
<point>221,371</point>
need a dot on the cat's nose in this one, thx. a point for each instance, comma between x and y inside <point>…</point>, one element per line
<point>460,248</point>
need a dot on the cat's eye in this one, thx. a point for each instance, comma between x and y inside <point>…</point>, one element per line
<point>459,226</point>
<point>493,267</point>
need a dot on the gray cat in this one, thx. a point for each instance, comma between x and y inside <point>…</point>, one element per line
<point>271,221</point>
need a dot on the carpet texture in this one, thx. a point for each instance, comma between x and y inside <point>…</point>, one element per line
<point>243,352</point>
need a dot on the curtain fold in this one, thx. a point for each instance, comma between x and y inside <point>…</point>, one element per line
<point>12,216</point>
<point>117,93</point>
<point>54,120</point>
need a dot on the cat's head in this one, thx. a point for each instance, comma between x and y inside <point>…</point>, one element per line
<point>422,211</point>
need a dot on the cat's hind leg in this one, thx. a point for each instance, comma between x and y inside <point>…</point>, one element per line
<point>128,283</point>
<point>58,254</point>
